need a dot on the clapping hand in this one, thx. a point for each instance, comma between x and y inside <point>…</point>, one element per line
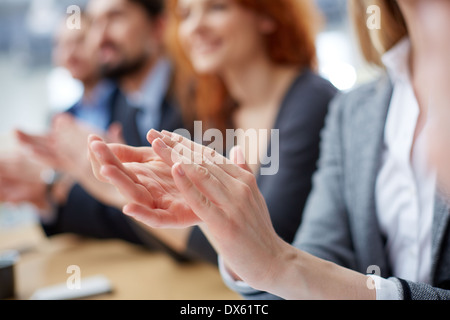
<point>65,149</point>
<point>178,183</point>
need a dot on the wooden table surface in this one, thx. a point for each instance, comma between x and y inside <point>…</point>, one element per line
<point>135,273</point>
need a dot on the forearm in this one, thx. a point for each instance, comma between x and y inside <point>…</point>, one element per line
<point>300,275</point>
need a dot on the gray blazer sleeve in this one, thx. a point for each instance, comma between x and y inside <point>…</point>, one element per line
<point>325,230</point>
<point>420,291</point>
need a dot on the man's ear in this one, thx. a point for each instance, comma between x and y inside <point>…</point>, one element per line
<point>156,35</point>
<point>159,27</point>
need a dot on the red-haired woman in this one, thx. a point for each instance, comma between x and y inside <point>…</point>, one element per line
<point>250,64</point>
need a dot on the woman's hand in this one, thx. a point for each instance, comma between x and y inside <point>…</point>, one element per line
<point>167,183</point>
<point>226,198</point>
<point>21,181</point>
<point>65,150</point>
<point>145,181</point>
<point>224,195</point>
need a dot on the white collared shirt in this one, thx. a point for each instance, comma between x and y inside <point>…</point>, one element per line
<point>406,186</point>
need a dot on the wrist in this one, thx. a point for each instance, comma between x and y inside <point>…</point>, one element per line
<point>287,279</point>
<point>304,276</point>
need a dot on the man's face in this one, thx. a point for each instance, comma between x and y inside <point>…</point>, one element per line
<point>125,35</point>
<point>73,52</point>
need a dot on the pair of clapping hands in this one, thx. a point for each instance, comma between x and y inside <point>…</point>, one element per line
<point>177,183</point>
<point>27,172</point>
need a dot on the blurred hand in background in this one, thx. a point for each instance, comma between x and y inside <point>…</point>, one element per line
<point>28,176</point>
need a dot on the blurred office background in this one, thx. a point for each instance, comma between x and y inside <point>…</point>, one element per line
<point>31,88</point>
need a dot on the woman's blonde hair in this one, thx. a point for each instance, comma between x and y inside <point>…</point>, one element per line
<point>374,43</point>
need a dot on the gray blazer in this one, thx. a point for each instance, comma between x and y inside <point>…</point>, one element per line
<point>340,222</point>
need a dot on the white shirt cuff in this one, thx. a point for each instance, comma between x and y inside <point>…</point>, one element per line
<point>387,289</point>
<point>236,285</point>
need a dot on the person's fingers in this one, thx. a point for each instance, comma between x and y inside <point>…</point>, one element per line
<point>17,170</point>
<point>11,191</point>
<point>125,153</point>
<point>48,157</point>
<point>158,218</point>
<point>41,147</point>
<point>184,150</point>
<point>22,137</point>
<point>168,155</point>
<point>152,135</point>
<point>3,186</point>
<point>216,185</point>
<point>218,189</point>
<point>131,154</point>
<point>186,156</point>
<point>132,191</point>
<point>144,215</point>
<point>181,150</point>
<point>203,207</point>
<point>105,156</point>
<point>95,163</point>
<point>247,176</point>
<point>183,145</point>
<point>32,140</point>
<point>220,167</point>
<point>7,169</point>
<point>237,157</point>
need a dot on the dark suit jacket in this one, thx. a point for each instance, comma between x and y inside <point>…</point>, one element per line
<point>300,120</point>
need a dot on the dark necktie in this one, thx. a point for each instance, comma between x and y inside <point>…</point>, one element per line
<point>130,128</point>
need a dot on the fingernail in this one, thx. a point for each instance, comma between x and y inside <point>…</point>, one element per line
<point>98,155</point>
<point>155,133</point>
<point>103,173</point>
<point>180,170</point>
<point>161,143</point>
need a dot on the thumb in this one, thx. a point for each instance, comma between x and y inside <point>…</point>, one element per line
<point>237,156</point>
<point>115,134</point>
